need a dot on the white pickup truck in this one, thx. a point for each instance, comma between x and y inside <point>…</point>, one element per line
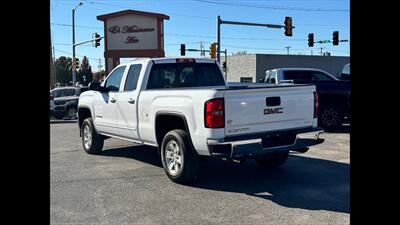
<point>184,107</point>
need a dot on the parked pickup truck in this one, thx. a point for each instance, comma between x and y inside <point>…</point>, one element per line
<point>333,93</point>
<point>185,108</point>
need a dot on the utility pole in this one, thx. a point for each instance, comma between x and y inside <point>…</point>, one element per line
<point>73,45</point>
<point>73,49</point>
<point>311,52</point>
<point>219,22</point>
<point>100,65</point>
<point>226,63</point>
<point>201,49</point>
<point>321,49</point>
<point>287,47</point>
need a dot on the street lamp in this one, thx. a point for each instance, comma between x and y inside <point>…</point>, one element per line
<point>73,45</point>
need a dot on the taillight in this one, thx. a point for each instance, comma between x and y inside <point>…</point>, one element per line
<point>51,97</point>
<point>315,105</point>
<point>214,113</point>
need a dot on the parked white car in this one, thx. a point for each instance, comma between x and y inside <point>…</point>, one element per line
<point>184,107</point>
<point>345,75</point>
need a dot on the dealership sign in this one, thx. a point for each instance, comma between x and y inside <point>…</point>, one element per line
<point>132,33</point>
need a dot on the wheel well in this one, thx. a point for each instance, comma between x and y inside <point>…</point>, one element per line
<point>83,113</point>
<point>333,99</point>
<point>166,123</point>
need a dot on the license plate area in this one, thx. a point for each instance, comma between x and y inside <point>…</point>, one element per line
<point>278,139</point>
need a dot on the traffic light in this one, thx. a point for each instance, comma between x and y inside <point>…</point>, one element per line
<point>213,50</point>
<point>288,26</point>
<point>96,42</point>
<point>183,49</point>
<point>311,40</point>
<point>76,63</point>
<point>335,38</point>
<point>224,66</point>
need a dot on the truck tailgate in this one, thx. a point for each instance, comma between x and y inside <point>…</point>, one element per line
<point>255,110</point>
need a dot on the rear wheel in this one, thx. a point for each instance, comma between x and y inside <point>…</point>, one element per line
<point>91,140</point>
<point>180,162</point>
<point>71,113</point>
<point>331,117</point>
<point>273,160</point>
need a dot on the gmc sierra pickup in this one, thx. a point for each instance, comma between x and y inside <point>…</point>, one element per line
<point>184,107</point>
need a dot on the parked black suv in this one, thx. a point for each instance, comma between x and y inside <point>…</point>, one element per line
<point>333,93</point>
<point>65,101</point>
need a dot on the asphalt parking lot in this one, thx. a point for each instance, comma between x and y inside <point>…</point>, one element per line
<point>126,184</point>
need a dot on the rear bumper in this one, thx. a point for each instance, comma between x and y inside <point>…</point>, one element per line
<point>252,146</point>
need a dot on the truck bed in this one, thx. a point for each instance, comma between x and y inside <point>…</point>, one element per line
<point>260,108</point>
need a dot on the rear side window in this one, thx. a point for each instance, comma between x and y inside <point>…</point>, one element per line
<point>132,77</point>
<point>67,92</point>
<point>297,75</point>
<point>175,75</point>
<point>114,79</point>
<point>320,76</point>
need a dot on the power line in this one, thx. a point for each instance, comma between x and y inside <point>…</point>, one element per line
<point>276,49</point>
<point>69,53</point>
<point>70,25</point>
<point>271,6</point>
<point>172,13</point>
<point>71,44</point>
<point>101,28</point>
<point>209,36</point>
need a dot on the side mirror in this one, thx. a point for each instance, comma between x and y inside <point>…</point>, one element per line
<point>94,85</point>
<point>102,89</point>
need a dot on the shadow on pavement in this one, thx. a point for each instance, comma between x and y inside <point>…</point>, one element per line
<point>342,129</point>
<point>142,153</point>
<point>303,182</point>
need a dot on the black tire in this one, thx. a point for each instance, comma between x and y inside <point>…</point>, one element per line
<point>97,140</point>
<point>273,160</point>
<point>330,117</point>
<point>71,113</point>
<point>190,162</point>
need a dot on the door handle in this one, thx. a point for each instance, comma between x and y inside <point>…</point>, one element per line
<point>113,100</point>
<point>132,101</point>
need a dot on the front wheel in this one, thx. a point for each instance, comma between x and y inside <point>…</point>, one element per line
<point>91,140</point>
<point>274,160</point>
<point>179,161</point>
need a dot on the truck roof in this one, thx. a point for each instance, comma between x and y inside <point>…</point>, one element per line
<point>169,60</point>
<point>302,69</point>
<point>299,68</point>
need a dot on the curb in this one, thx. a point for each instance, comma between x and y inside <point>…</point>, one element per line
<point>63,121</point>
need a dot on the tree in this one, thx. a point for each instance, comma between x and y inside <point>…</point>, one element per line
<point>240,53</point>
<point>100,75</point>
<point>63,70</point>
<point>85,75</point>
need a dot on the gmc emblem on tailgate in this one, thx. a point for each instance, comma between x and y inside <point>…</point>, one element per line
<point>273,110</point>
